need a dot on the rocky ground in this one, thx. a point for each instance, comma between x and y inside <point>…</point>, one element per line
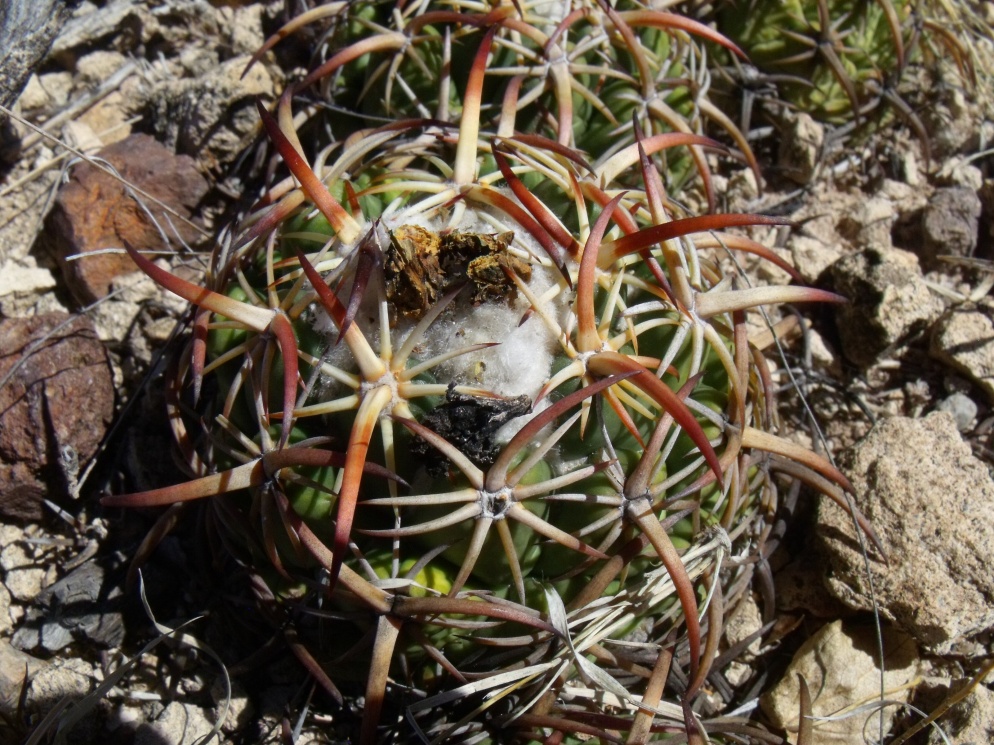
<point>898,385</point>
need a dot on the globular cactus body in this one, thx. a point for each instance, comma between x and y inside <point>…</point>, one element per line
<point>519,437</point>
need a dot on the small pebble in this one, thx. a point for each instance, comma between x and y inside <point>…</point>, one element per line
<point>24,584</point>
<point>963,409</point>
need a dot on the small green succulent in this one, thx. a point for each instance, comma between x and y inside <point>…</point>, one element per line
<point>832,49</point>
<point>844,62</point>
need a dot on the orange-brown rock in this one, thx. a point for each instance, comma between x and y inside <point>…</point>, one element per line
<point>56,402</point>
<point>95,211</point>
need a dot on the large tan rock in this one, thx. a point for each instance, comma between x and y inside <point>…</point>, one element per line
<point>840,665</point>
<point>970,721</point>
<point>212,116</point>
<point>889,302</point>
<point>964,339</point>
<point>930,501</point>
<point>801,143</point>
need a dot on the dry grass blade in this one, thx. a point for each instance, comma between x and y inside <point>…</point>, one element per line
<point>65,716</point>
<point>948,702</point>
<point>96,163</point>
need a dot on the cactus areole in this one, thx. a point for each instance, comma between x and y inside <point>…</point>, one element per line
<point>483,413</point>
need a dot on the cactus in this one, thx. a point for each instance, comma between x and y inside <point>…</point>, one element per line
<point>575,72</point>
<point>842,61</point>
<point>492,411</point>
<point>833,50</point>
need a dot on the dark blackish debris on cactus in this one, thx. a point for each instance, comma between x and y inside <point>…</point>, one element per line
<point>469,423</point>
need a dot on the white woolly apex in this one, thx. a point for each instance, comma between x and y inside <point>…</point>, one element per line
<point>522,361</point>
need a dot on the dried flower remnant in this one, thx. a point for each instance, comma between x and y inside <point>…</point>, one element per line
<point>421,265</point>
